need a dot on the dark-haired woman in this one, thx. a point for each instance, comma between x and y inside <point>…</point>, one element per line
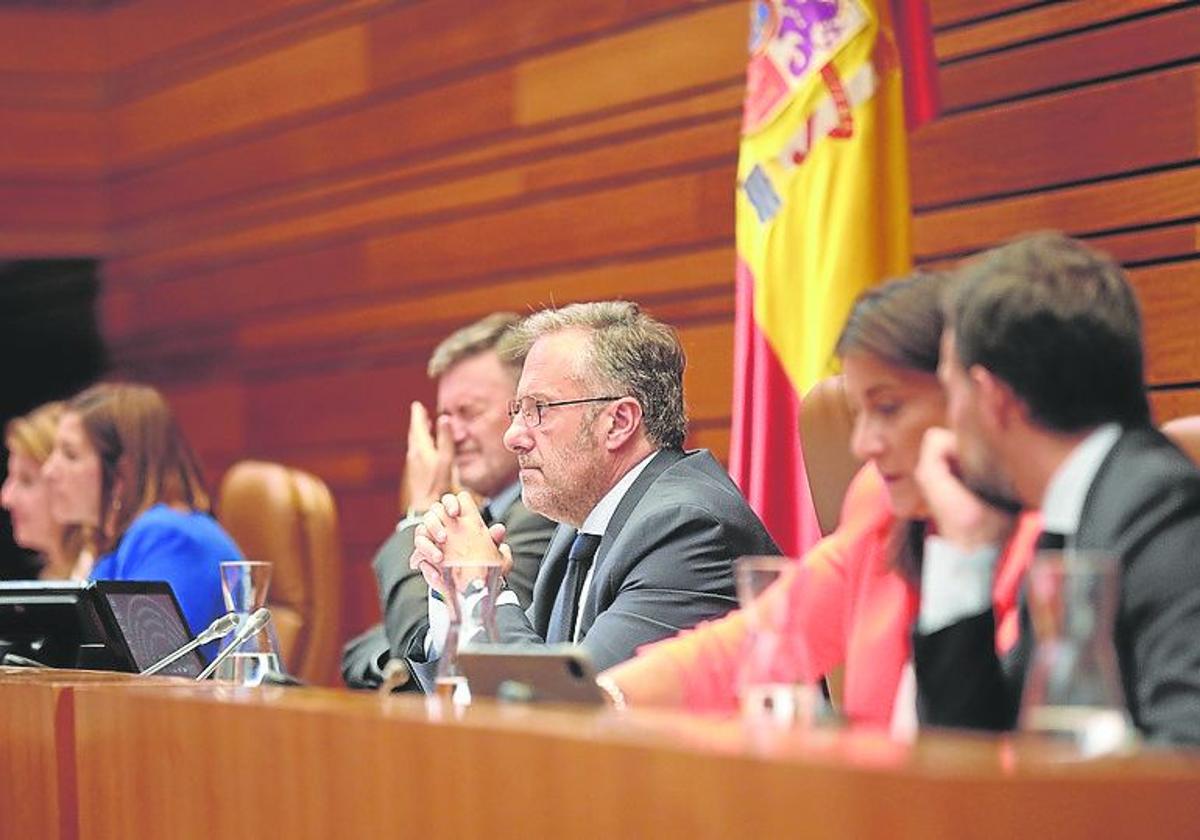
<point>853,598</point>
<point>120,465</point>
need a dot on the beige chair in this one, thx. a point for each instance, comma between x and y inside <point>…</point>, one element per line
<point>288,518</point>
<point>1185,432</point>
<point>826,423</point>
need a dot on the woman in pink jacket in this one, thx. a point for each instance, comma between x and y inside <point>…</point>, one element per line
<point>852,600</point>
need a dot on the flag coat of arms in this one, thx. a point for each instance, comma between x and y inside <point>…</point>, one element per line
<point>822,214</point>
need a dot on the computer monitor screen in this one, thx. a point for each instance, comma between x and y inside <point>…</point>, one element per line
<point>105,625</point>
<point>151,624</point>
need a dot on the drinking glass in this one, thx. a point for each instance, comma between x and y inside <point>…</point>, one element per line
<point>1073,687</point>
<point>244,586</point>
<point>471,602</point>
<point>776,684</point>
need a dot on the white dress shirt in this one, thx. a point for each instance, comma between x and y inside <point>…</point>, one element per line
<point>956,584</point>
<point>597,523</point>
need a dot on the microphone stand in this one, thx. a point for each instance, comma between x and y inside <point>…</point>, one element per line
<point>257,621</point>
<point>219,629</point>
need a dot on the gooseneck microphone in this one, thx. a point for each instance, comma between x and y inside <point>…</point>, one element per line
<point>257,621</point>
<point>219,629</point>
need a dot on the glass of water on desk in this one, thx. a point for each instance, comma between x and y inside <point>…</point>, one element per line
<point>244,586</point>
<point>469,591</point>
<point>1073,687</point>
<point>775,682</point>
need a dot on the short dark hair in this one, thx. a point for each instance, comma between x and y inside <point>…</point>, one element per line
<point>899,322</point>
<point>1058,322</point>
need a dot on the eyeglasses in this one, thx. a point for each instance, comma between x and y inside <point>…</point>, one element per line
<point>531,410</point>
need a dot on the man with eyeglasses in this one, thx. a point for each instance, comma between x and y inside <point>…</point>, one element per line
<point>463,448</point>
<point>648,531</point>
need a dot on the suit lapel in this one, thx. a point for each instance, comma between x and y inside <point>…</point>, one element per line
<point>662,461</point>
<point>1094,517</point>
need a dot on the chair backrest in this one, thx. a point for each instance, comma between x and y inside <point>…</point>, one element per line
<point>288,518</point>
<point>1185,432</point>
<point>826,423</point>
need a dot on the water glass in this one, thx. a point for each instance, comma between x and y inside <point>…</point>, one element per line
<point>244,586</point>
<point>1073,689</point>
<point>776,684</point>
<point>471,600</point>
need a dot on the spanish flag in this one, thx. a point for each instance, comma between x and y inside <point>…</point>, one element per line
<point>822,213</point>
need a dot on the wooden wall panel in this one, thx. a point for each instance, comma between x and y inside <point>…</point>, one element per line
<point>312,74</point>
<point>1064,137</point>
<point>51,42</point>
<point>53,143</point>
<point>298,198</point>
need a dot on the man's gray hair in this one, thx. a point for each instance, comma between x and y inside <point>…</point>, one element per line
<point>479,337</point>
<point>630,353</point>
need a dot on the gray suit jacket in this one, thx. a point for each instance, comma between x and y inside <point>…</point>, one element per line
<point>1144,506</point>
<point>403,595</point>
<point>665,562</point>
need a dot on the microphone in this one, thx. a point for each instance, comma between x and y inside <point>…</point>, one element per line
<point>257,621</point>
<point>219,629</point>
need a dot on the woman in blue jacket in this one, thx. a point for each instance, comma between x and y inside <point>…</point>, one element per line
<point>120,465</point>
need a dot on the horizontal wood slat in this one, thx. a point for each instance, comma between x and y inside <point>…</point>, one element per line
<point>948,13</point>
<point>140,32</point>
<point>1037,23</point>
<point>1057,139</point>
<point>1177,402</point>
<point>1123,203</point>
<point>305,195</point>
<point>481,32</point>
<point>1170,299</point>
<point>38,41</point>
<point>661,59</point>
<point>428,119</point>
<point>316,73</point>
<point>655,276</point>
<point>1127,47</point>
<point>51,144</point>
<point>52,91</point>
<point>691,147</point>
<point>53,205</point>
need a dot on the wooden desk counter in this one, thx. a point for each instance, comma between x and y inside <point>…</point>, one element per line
<point>37,750</point>
<point>204,762</point>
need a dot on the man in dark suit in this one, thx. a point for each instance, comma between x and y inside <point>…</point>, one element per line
<point>1042,363</point>
<point>474,387</point>
<point>649,531</point>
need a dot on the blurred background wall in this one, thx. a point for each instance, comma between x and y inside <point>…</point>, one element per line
<point>291,201</point>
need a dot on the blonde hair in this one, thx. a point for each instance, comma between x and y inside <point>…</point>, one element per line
<point>32,435</point>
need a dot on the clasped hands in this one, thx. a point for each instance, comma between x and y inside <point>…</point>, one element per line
<point>452,543</point>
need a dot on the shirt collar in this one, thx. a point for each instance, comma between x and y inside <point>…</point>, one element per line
<point>1062,506</point>
<point>597,521</point>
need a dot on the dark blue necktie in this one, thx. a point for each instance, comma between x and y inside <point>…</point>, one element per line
<point>566,606</point>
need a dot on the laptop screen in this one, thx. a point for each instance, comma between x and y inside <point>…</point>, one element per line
<point>151,624</point>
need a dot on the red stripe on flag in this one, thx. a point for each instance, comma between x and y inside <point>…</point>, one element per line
<point>765,458</point>
<point>914,39</point>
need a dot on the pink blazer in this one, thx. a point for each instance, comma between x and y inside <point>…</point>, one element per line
<point>841,604</point>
